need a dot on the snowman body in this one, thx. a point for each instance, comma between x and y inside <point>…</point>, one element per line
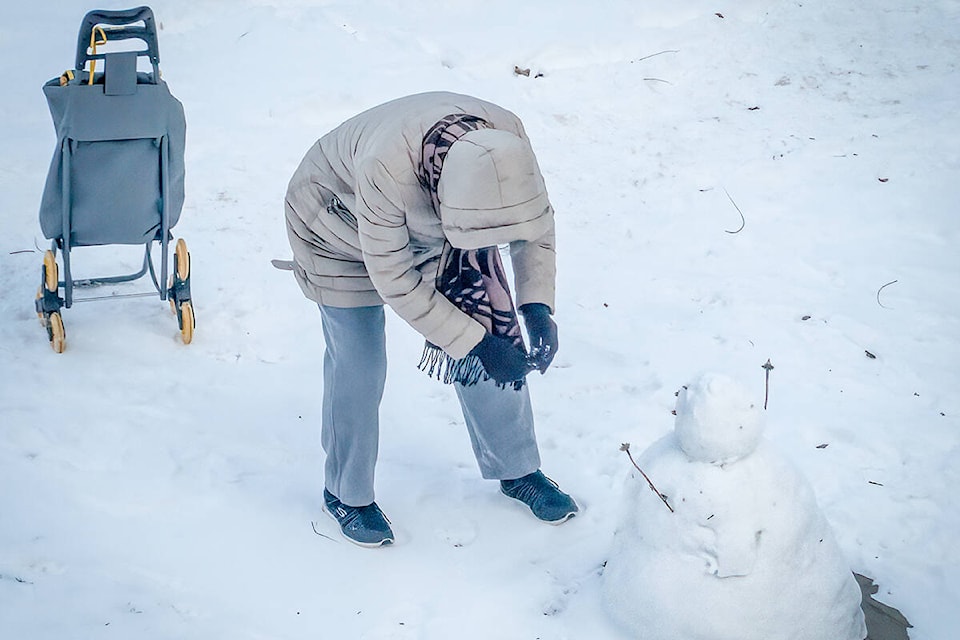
<point>746,554</point>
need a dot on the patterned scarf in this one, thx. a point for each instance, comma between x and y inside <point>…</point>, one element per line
<point>474,280</point>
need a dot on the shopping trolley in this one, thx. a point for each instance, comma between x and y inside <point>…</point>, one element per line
<point>116,177</point>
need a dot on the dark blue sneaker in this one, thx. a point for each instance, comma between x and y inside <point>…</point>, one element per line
<point>542,495</point>
<point>365,526</point>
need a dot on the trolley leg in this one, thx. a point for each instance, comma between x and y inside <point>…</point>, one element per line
<point>65,228</point>
<point>164,212</point>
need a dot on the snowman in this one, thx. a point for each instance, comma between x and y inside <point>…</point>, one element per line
<point>745,554</point>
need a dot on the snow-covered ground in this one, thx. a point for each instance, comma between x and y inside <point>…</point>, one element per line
<point>154,490</point>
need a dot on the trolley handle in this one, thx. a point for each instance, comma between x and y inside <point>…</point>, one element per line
<point>121,26</point>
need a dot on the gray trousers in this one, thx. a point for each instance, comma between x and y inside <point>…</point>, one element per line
<point>499,421</point>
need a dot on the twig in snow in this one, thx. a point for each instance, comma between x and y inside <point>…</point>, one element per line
<point>313,525</point>
<point>626,447</point>
<point>743,220</point>
<point>659,53</point>
<point>766,391</point>
<point>881,289</point>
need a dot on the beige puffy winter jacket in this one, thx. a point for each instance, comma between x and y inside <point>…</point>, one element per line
<point>364,231</point>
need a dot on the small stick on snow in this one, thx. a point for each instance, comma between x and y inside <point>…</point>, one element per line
<point>659,53</point>
<point>626,447</point>
<point>743,220</point>
<point>766,391</point>
<point>313,525</point>
<point>881,289</point>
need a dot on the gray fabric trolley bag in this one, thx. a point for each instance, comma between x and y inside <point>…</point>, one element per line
<point>116,176</point>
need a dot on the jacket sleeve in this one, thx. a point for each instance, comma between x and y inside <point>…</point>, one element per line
<point>390,262</point>
<point>535,268</point>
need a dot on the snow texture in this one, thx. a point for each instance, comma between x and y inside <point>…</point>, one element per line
<point>746,554</point>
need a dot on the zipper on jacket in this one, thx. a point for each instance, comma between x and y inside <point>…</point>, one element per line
<point>337,208</point>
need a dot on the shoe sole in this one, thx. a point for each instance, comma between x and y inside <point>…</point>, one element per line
<point>527,508</point>
<point>367,545</point>
<point>572,514</point>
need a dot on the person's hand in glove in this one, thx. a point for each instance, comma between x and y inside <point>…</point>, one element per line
<point>501,359</point>
<point>542,331</point>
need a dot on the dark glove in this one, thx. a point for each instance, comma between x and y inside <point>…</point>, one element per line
<point>543,334</point>
<point>502,361</point>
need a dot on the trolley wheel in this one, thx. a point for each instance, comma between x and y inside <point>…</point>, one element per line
<point>58,337</point>
<point>40,313</point>
<point>187,322</point>
<point>51,274</point>
<point>182,259</point>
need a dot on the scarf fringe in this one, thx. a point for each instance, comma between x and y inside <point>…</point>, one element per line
<point>467,371</point>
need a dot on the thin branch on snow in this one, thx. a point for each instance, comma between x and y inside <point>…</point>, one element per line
<point>766,388</point>
<point>881,289</point>
<point>626,447</point>
<point>659,53</point>
<point>743,220</point>
<point>313,525</point>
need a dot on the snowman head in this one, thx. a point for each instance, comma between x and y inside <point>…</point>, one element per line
<point>717,420</point>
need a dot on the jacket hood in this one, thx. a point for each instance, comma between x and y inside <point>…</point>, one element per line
<point>491,191</point>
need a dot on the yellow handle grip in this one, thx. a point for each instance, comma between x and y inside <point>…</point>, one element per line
<point>94,42</point>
